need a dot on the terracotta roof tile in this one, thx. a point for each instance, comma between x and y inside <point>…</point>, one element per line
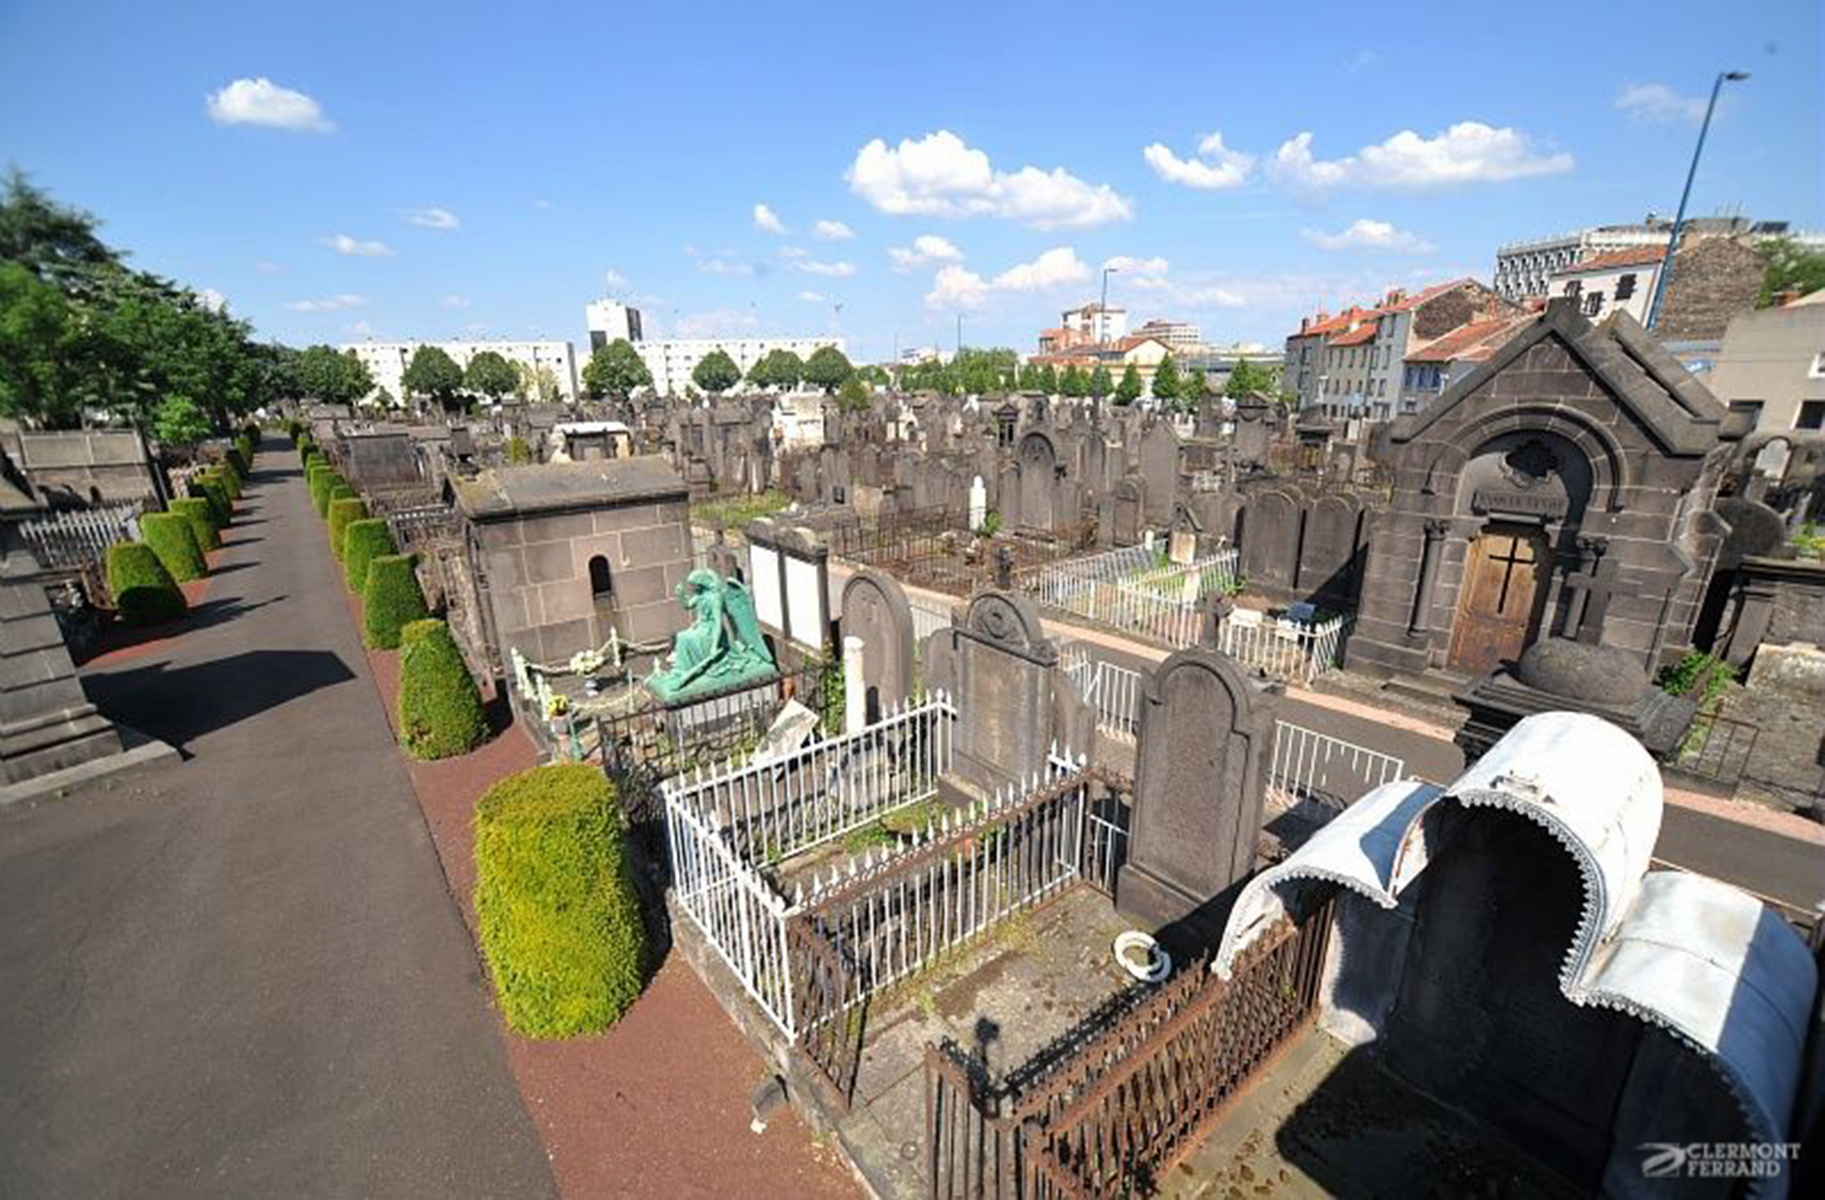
<point>1638,256</point>
<point>1466,341</point>
<point>1356,337</point>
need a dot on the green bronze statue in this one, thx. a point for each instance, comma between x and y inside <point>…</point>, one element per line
<point>721,648</point>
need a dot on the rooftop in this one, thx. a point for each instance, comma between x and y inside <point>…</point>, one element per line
<point>1475,340</point>
<point>546,487</point>
<point>1635,256</point>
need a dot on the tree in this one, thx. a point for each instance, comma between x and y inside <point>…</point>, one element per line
<point>781,369</point>
<point>38,380</point>
<point>827,368</point>
<point>615,370</point>
<point>1246,379</point>
<point>1043,378</point>
<point>1192,387</point>
<point>384,398</point>
<point>1074,383</point>
<point>180,421</point>
<point>334,377</point>
<point>716,372</point>
<point>1129,389</point>
<point>434,375</point>
<point>854,395</point>
<point>491,374</point>
<point>1791,267</point>
<point>1166,381</point>
<point>1100,382</point>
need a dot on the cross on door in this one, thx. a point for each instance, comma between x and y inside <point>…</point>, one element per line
<point>1519,552</point>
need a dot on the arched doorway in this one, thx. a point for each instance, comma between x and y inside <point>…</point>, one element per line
<point>1503,594</point>
<point>602,593</point>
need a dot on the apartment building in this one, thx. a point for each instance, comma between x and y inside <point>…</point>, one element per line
<point>671,360</point>
<point>387,361</point>
<point>610,320</point>
<point>1525,269</point>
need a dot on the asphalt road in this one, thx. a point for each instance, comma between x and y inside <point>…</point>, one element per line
<point>241,974</point>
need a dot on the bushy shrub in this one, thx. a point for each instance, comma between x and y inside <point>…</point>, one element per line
<point>342,511</point>
<point>324,480</point>
<point>169,535</point>
<point>560,919</point>
<point>362,542</point>
<point>201,515</point>
<point>209,486</point>
<point>234,458</point>
<point>144,592</point>
<point>440,708</point>
<point>392,600</point>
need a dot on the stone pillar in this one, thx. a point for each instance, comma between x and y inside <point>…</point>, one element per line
<point>1420,623</point>
<point>979,503</point>
<point>855,686</point>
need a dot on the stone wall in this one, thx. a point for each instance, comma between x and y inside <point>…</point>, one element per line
<point>1713,281</point>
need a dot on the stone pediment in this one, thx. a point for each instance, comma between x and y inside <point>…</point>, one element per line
<point>1677,411</point>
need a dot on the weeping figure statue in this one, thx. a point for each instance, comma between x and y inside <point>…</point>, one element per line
<point>721,648</point>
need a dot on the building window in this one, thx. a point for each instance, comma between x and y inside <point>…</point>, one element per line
<point>1593,304</point>
<point>1625,287</point>
<point>1812,415</point>
<point>1573,288</point>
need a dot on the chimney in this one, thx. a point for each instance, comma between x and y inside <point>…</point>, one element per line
<point>1305,323</point>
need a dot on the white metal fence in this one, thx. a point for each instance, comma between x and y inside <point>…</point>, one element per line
<point>772,808</point>
<point>927,621</point>
<point>1134,590</point>
<point>1283,648</point>
<point>1113,691</point>
<point>1319,776</point>
<point>77,537</point>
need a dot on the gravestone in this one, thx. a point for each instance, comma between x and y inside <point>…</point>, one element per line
<point>875,610</point>
<point>979,503</point>
<point>1182,541</point>
<point>1130,511</point>
<point>1200,778</point>
<point>1270,542</point>
<point>1005,675</point>
<point>1160,468</point>
<point>1037,463</point>
<point>1327,558</point>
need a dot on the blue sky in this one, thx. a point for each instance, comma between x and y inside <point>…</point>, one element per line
<point>449,170</point>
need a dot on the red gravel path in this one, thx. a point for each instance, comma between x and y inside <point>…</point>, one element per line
<point>658,1105</point>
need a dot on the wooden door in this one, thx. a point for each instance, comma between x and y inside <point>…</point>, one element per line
<point>1502,574</point>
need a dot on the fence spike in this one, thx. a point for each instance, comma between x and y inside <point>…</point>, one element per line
<point>930,829</point>
<point>799,895</point>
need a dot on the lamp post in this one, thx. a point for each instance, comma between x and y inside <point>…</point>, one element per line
<point>1102,308</point>
<point>1665,274</point>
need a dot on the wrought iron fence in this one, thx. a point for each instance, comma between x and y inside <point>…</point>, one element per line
<point>1135,590</point>
<point>1284,648</point>
<point>1318,776</point>
<point>1113,691</point>
<point>935,548</point>
<point>75,538</point>
<point>1715,747</point>
<point>1117,1110</point>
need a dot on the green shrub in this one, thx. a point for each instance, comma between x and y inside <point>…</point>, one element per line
<point>234,458</point>
<point>362,542</point>
<point>209,486</point>
<point>392,600</point>
<point>342,511</point>
<point>560,920</point>
<point>169,535</point>
<point>201,514</point>
<point>323,480</point>
<point>334,487</point>
<point>440,708</point>
<point>224,470</point>
<point>144,592</point>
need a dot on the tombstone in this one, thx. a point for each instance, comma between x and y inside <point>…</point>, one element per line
<point>979,503</point>
<point>1005,673</point>
<point>1270,544</point>
<point>1327,557</point>
<point>1771,459</point>
<point>1037,463</point>
<point>875,610</point>
<point>1160,469</point>
<point>1182,540</point>
<point>1008,497</point>
<point>1200,778</point>
<point>1130,511</point>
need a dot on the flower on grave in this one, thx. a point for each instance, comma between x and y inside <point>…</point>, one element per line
<point>586,662</point>
<point>556,705</point>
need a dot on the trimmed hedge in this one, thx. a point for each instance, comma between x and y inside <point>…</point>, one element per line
<point>440,708</point>
<point>231,479</point>
<point>327,483</point>
<point>209,486</point>
<point>317,475</point>
<point>560,920</point>
<point>144,592</point>
<point>362,542</point>
<point>201,514</point>
<point>342,511</point>
<point>392,600</point>
<point>169,535</point>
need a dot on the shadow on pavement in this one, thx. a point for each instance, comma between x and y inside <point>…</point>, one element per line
<point>182,704</point>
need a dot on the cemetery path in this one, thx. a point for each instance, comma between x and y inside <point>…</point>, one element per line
<point>242,974</point>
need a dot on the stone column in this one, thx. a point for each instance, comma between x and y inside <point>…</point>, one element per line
<point>1420,623</point>
<point>855,686</point>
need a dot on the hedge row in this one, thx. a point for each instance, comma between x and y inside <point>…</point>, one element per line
<point>342,511</point>
<point>201,515</point>
<point>143,590</point>
<point>560,919</point>
<point>170,537</point>
<point>392,600</point>
<point>440,708</point>
<point>362,542</point>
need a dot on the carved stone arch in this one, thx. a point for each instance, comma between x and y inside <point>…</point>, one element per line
<point>1012,623</point>
<point>1610,472</point>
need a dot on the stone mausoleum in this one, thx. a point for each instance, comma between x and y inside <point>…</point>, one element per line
<point>1564,487</point>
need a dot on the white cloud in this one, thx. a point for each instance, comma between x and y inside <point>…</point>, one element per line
<point>766,221</point>
<point>926,248</point>
<point>342,243</point>
<point>811,266</point>
<point>267,266</point>
<point>1364,234</point>
<point>1138,266</point>
<point>724,266</point>
<point>811,297</point>
<point>434,218</point>
<point>1658,102</point>
<point>939,175</point>
<point>1216,167</point>
<point>959,287</point>
<point>719,323</point>
<point>1467,152</point>
<point>340,302</point>
<point>614,278</point>
<point>832,231</point>
<point>263,102</point>
<point>454,301</point>
<point>212,300</point>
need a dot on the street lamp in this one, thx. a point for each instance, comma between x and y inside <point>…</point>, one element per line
<point>1102,310</point>
<point>1679,218</point>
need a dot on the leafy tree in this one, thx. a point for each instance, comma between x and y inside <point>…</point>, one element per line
<point>545,385</point>
<point>1042,378</point>
<point>1166,380</point>
<point>384,398</point>
<point>39,383</point>
<point>1193,386</point>
<point>873,374</point>
<point>716,372</point>
<point>1100,382</point>
<point>491,374</point>
<point>180,421</point>
<point>1129,389</point>
<point>1247,378</point>
<point>1074,383</point>
<point>854,395</point>
<point>435,375</point>
<point>615,370</point>
<point>781,369</point>
<point>332,376</point>
<point>1791,267</point>
<point>827,368</point>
